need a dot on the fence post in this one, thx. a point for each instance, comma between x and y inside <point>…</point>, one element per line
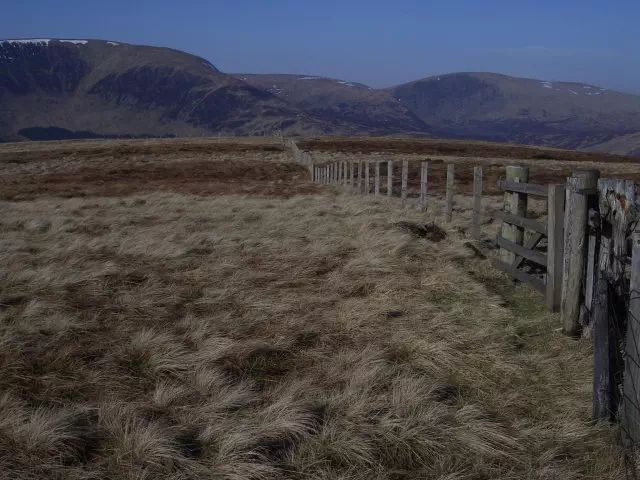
<point>631,386</point>
<point>424,174</point>
<point>367,183</point>
<point>451,172</point>
<point>617,202</point>
<point>477,201</point>
<point>555,246</point>
<point>516,204</point>
<point>344,173</point>
<point>575,234</point>
<point>603,383</point>
<point>389,178</point>
<point>377,180</point>
<point>359,176</point>
<point>405,180</point>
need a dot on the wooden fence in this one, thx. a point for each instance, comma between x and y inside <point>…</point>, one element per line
<point>585,259</point>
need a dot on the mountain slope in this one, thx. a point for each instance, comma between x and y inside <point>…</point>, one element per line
<point>501,108</point>
<point>623,145</point>
<point>366,110</point>
<point>110,88</point>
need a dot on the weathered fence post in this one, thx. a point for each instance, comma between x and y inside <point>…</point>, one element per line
<point>575,235</point>
<point>617,200</point>
<point>477,202</point>
<point>631,385</point>
<point>555,246</point>
<point>424,174</point>
<point>405,180</point>
<point>351,174</point>
<point>603,398</point>
<point>367,183</point>
<point>389,178</point>
<point>516,204</point>
<point>377,180</point>
<point>359,176</point>
<point>451,172</point>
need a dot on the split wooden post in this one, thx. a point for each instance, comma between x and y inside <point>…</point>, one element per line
<point>377,180</point>
<point>593,226</point>
<point>477,202</point>
<point>359,176</point>
<point>451,172</point>
<point>405,180</point>
<point>424,174</point>
<point>389,178</point>
<point>516,204</point>
<point>367,183</point>
<point>575,236</point>
<point>555,246</point>
<point>631,385</point>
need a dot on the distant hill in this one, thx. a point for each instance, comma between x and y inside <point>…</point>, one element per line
<point>342,103</point>
<point>59,89</point>
<point>496,107</point>
<point>91,88</point>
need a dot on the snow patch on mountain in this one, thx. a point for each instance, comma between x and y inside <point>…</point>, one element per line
<point>44,41</point>
<point>75,42</point>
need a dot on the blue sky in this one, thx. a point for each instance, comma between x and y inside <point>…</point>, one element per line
<point>374,42</point>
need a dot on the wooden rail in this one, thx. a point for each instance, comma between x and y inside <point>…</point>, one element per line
<point>527,188</point>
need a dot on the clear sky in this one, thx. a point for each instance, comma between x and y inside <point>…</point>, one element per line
<point>380,43</point>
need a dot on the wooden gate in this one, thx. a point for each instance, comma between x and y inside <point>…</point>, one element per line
<point>511,237</point>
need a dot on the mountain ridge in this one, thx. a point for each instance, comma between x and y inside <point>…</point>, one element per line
<point>107,88</point>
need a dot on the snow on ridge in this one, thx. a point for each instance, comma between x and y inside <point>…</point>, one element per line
<point>75,42</point>
<point>546,84</point>
<point>29,40</point>
<point>575,93</point>
<point>309,78</point>
<point>585,86</point>
<point>115,44</point>
<point>348,84</point>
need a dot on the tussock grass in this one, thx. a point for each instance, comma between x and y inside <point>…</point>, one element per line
<point>175,336</point>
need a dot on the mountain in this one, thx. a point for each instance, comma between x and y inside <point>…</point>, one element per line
<point>343,104</point>
<point>85,88</point>
<point>56,89</point>
<point>496,107</point>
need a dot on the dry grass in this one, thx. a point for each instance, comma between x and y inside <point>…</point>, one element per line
<point>168,336</point>
<point>171,335</point>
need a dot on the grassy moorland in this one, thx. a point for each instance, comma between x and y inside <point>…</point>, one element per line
<point>220,317</point>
